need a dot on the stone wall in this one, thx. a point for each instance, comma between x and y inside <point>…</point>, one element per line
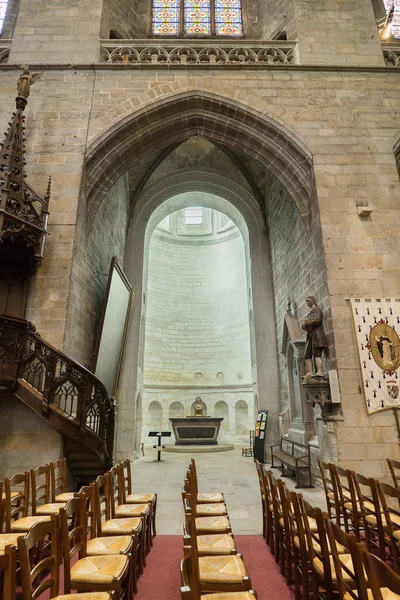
<point>26,440</point>
<point>91,265</point>
<point>119,16</point>
<point>276,16</point>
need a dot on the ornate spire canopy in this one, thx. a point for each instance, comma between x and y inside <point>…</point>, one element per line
<point>23,213</point>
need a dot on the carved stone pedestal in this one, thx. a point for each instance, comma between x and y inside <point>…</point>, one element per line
<point>318,391</point>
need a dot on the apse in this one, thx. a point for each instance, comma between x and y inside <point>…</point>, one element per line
<point>197,327</point>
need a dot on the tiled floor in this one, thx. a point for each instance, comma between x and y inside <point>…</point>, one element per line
<point>226,472</point>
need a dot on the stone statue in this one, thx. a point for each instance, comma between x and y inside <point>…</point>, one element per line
<point>198,407</point>
<point>25,81</point>
<point>316,339</point>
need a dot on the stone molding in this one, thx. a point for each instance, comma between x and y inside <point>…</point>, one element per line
<point>5,47</point>
<point>391,53</point>
<point>198,52</point>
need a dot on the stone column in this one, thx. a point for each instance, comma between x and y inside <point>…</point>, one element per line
<point>57,32</point>
<point>337,33</point>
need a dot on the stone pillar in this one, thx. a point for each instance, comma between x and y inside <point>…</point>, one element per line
<point>57,32</point>
<point>337,33</point>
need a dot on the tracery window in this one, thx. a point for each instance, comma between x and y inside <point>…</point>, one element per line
<point>395,24</point>
<point>197,17</point>
<point>3,9</point>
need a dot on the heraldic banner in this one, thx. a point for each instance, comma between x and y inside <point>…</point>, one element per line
<point>376,323</point>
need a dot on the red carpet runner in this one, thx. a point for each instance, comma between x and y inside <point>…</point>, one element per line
<point>161,579</point>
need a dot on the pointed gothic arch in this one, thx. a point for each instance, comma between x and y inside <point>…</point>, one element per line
<point>171,120</point>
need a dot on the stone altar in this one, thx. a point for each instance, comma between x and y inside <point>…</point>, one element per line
<point>197,430</point>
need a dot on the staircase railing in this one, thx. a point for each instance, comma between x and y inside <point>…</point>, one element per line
<point>58,384</point>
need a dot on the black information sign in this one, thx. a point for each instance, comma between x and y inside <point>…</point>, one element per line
<point>260,435</point>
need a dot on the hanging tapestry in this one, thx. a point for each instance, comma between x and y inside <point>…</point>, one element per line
<point>376,324</point>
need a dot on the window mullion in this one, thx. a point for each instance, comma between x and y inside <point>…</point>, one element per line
<point>182,18</point>
<point>212,17</point>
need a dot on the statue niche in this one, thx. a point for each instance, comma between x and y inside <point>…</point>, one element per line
<point>293,348</point>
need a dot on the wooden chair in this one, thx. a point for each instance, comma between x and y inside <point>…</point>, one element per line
<point>347,573</point>
<point>58,481</point>
<point>106,526</point>
<point>16,501</point>
<point>317,546</point>
<point>330,489</point>
<point>212,544</point>
<point>218,574</point>
<point>352,518</point>
<point>301,556</point>
<point>203,497</point>
<point>106,545</point>
<point>205,525</point>
<point>202,509</point>
<point>41,493</point>
<point>278,518</point>
<point>383,582</point>
<point>261,481</point>
<point>249,450</point>
<point>371,512</point>
<point>118,509</point>
<point>39,573</point>
<point>190,589</point>
<point>270,530</point>
<point>7,571</point>
<point>391,520</point>
<point>287,537</point>
<point>130,498</point>
<point>101,572</point>
<point>394,467</point>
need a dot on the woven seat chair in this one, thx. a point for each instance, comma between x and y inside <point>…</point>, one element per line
<point>330,488</point>
<point>7,571</point>
<point>202,509</point>
<point>190,589</point>
<point>352,518</point>
<point>301,556</point>
<point>101,572</point>
<point>270,527</point>
<point>205,525</point>
<point>130,498</point>
<point>202,497</point>
<point>389,498</point>
<point>372,514</point>
<point>17,516</point>
<point>218,573</point>
<point>118,509</point>
<point>348,573</point>
<point>277,519</point>
<point>212,544</point>
<point>39,574</point>
<point>383,582</point>
<point>394,467</point>
<point>58,481</point>
<point>261,481</point>
<point>288,532</point>
<point>106,526</point>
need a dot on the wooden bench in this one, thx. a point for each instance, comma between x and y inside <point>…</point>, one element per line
<point>286,453</point>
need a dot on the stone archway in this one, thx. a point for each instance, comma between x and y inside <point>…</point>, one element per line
<point>171,120</point>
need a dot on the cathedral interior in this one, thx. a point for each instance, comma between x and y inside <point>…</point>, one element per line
<point>199,259</point>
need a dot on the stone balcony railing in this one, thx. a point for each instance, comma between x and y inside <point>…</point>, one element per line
<point>5,46</point>
<point>213,53</point>
<point>391,52</point>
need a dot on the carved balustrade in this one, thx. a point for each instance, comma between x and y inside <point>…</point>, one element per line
<point>391,53</point>
<point>61,384</point>
<point>213,53</point>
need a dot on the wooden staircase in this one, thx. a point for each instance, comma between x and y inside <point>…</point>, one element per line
<point>61,391</point>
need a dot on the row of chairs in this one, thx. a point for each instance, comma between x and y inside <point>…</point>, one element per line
<point>366,507</point>
<point>315,554</point>
<point>101,534</point>
<point>211,568</point>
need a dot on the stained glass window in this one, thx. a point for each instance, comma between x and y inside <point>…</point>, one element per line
<point>197,17</point>
<point>3,8</point>
<point>395,25</point>
<point>166,17</point>
<point>228,17</point>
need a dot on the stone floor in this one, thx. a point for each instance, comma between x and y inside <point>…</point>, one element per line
<point>226,472</point>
